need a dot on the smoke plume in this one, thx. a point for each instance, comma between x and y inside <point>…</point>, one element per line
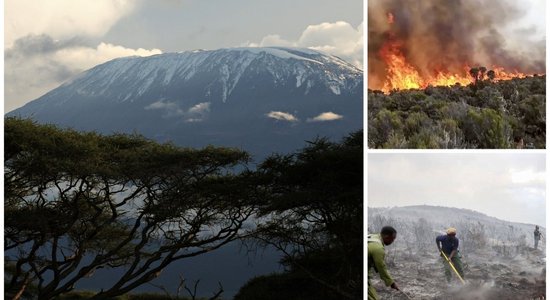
<point>448,36</point>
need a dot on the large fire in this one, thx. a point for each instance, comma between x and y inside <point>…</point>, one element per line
<point>400,74</point>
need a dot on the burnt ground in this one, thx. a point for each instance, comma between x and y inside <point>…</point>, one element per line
<point>488,274</point>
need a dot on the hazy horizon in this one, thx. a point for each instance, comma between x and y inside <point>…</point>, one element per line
<point>453,207</point>
<point>507,186</point>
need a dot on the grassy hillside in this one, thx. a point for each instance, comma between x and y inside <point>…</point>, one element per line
<point>487,115</point>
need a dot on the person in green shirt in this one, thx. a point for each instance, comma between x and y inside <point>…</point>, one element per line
<point>376,243</point>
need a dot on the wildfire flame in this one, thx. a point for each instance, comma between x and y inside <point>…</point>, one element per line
<point>403,75</point>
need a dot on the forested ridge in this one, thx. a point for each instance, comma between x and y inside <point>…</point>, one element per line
<point>485,114</point>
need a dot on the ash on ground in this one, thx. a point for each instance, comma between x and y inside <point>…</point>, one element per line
<point>498,257</point>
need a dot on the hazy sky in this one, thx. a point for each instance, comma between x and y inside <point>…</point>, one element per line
<point>47,42</point>
<point>506,186</point>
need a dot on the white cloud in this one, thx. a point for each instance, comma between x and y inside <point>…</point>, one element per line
<point>161,104</point>
<point>62,18</point>
<point>52,62</point>
<point>170,109</point>
<point>282,116</point>
<point>338,38</point>
<point>200,108</point>
<point>48,39</point>
<point>326,116</point>
<point>196,113</point>
<point>83,58</point>
<point>274,40</point>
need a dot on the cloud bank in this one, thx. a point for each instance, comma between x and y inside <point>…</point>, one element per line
<point>51,62</point>
<point>338,38</point>
<point>62,19</point>
<point>48,42</point>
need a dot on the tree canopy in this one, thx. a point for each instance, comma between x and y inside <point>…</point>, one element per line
<point>76,202</point>
<point>314,217</point>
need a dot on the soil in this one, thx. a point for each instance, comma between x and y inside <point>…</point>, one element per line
<point>488,276</point>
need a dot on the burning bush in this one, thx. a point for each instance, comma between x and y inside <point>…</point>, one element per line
<point>444,43</point>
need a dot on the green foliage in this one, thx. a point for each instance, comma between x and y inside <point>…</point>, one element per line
<point>415,121</point>
<point>423,139</point>
<point>385,124</point>
<point>492,115</point>
<point>488,129</point>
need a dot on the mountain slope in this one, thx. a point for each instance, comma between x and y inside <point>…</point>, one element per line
<point>260,99</point>
<point>498,256</point>
<point>442,217</point>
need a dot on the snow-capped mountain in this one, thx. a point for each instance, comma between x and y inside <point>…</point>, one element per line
<point>260,99</point>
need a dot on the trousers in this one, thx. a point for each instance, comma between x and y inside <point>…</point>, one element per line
<point>457,262</point>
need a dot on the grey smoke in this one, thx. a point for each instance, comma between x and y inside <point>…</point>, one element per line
<point>447,34</point>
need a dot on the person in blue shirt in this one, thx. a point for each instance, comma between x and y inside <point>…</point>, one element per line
<point>449,245</point>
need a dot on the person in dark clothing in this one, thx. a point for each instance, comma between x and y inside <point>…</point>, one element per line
<point>449,245</point>
<point>538,236</point>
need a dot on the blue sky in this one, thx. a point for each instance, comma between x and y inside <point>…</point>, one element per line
<point>47,42</point>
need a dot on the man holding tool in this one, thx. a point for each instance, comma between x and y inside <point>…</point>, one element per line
<point>448,249</point>
<point>376,243</point>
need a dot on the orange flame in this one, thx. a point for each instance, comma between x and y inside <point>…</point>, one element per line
<point>402,75</point>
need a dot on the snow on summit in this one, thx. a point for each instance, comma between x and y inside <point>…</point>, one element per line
<point>239,97</point>
<point>230,64</point>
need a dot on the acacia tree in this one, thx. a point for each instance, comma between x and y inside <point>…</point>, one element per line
<point>76,202</point>
<point>313,215</point>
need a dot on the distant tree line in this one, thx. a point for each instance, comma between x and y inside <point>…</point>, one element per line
<point>475,236</point>
<point>77,202</point>
<point>485,114</point>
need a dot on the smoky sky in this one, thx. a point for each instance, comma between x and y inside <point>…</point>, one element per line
<point>446,35</point>
<point>509,186</point>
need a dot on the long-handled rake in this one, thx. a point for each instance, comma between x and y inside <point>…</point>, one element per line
<point>453,267</point>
